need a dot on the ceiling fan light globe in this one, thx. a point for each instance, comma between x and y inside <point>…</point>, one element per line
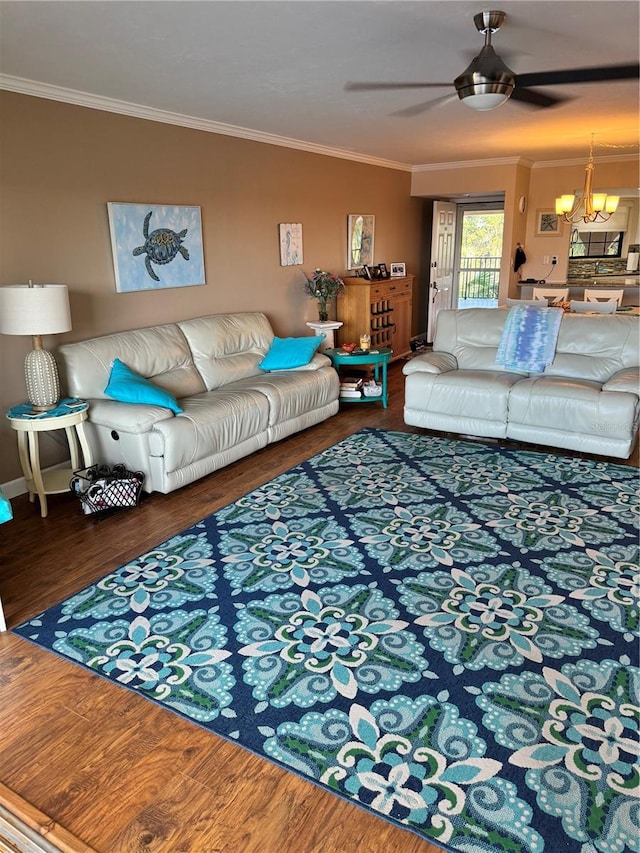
<point>481,93</point>
<point>484,101</point>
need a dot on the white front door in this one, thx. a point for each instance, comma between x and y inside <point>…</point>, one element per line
<point>442,262</point>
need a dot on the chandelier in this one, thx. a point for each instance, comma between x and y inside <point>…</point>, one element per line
<point>590,206</point>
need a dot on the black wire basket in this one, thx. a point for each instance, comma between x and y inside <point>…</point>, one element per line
<point>103,489</point>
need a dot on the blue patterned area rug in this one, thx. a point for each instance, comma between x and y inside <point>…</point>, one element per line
<point>442,633</point>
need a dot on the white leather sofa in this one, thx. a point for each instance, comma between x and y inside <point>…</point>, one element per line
<point>587,399</point>
<point>231,407</point>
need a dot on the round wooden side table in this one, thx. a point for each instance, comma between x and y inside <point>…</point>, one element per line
<point>28,425</point>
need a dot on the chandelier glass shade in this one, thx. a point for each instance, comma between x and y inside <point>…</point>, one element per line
<point>590,206</point>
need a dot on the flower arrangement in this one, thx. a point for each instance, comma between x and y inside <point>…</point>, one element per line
<point>323,286</point>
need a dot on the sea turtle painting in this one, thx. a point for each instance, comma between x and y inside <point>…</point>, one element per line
<point>160,246</point>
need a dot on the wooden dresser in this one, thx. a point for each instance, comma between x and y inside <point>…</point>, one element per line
<point>381,309</point>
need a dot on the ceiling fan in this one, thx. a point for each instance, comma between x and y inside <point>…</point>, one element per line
<point>487,82</point>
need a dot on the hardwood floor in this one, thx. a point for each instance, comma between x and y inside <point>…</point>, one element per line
<point>99,768</point>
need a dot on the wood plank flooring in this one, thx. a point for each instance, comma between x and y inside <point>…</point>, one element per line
<point>93,766</point>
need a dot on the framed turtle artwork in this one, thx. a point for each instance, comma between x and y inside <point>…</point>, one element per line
<point>155,246</point>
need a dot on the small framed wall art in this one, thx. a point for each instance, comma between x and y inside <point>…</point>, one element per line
<point>398,270</point>
<point>290,244</point>
<point>548,223</point>
<point>360,228</point>
<point>155,246</point>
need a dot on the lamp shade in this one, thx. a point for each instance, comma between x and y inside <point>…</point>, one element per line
<point>42,309</point>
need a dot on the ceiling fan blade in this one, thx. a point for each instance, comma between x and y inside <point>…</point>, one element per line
<point>579,75</point>
<point>363,87</point>
<point>416,109</point>
<point>535,99</point>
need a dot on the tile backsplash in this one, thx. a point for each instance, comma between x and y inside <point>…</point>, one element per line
<point>586,268</point>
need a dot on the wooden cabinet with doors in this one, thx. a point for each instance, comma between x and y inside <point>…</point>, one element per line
<point>381,309</point>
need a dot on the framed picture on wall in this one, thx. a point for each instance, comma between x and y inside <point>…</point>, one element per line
<point>290,244</point>
<point>155,246</point>
<point>548,223</point>
<point>360,227</point>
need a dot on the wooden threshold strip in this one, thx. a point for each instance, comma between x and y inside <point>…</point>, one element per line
<point>25,829</point>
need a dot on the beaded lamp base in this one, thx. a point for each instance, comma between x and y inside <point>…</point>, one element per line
<point>41,375</point>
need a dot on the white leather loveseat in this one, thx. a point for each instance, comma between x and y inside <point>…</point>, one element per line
<point>587,399</point>
<point>231,407</point>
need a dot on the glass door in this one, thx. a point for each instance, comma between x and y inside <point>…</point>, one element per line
<point>479,245</point>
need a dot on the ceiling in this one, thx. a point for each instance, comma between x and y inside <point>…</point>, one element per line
<point>273,70</point>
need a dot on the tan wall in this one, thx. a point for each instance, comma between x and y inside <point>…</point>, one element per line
<point>510,179</point>
<point>540,185</point>
<point>61,164</point>
<point>551,181</point>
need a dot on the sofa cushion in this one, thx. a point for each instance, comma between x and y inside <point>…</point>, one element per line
<point>127,386</point>
<point>227,347</point>
<point>212,423</point>
<point>595,346</point>
<point>482,394</point>
<point>573,406</point>
<point>159,353</point>
<point>286,353</point>
<point>294,393</point>
<point>472,336</point>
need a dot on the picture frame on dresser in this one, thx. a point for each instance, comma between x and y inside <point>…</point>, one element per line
<point>398,270</point>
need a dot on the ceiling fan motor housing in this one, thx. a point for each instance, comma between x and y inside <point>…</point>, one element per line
<point>486,75</point>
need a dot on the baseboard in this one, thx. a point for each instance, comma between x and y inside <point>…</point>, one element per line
<point>25,829</point>
<point>15,488</point>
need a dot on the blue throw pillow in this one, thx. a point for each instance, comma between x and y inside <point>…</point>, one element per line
<point>126,386</point>
<point>286,353</point>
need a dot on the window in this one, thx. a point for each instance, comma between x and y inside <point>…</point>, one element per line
<point>596,244</point>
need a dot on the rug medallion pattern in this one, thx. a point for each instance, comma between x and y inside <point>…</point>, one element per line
<point>443,633</point>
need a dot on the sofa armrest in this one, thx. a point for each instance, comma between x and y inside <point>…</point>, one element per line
<point>126,417</point>
<point>432,362</point>
<point>627,379</point>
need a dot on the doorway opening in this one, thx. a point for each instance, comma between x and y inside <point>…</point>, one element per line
<point>479,250</point>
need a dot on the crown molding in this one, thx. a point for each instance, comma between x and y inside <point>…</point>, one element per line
<point>473,164</point>
<point>612,158</point>
<point>96,102</point>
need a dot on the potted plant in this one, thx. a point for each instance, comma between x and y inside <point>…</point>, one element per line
<point>323,286</point>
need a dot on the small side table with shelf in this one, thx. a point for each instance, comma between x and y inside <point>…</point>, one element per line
<point>378,358</point>
<point>29,425</point>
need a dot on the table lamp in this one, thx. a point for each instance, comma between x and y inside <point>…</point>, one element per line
<point>41,309</point>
